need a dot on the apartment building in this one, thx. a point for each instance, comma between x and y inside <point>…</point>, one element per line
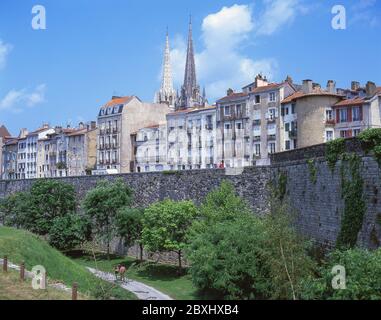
<point>191,138</point>
<point>358,113</point>
<point>4,135</point>
<point>117,120</point>
<point>82,150</point>
<point>248,122</point>
<point>150,148</point>
<point>9,163</point>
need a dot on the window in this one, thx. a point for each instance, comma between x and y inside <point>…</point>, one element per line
<point>356,115</point>
<point>272,148</point>
<point>288,145</point>
<point>227,111</point>
<point>287,127</point>
<point>272,97</point>
<point>329,114</point>
<point>257,147</point>
<point>328,135</point>
<point>239,125</point>
<point>227,126</point>
<point>356,132</point>
<point>345,133</point>
<point>293,109</point>
<point>272,114</point>
<point>257,99</point>
<point>343,114</point>
<point>239,109</point>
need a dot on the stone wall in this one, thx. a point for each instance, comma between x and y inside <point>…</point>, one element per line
<point>184,185</point>
<point>318,206</point>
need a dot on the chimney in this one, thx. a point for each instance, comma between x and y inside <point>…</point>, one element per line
<point>307,86</point>
<point>45,125</point>
<point>316,86</point>
<point>331,86</point>
<point>229,92</point>
<point>23,133</point>
<point>260,81</point>
<point>93,125</point>
<point>115,97</point>
<point>81,125</point>
<point>371,89</point>
<point>355,85</point>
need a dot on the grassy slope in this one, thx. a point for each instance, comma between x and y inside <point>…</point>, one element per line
<point>21,246</point>
<point>162,277</point>
<point>11,288</point>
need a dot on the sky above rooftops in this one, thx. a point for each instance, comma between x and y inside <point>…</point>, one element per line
<point>92,50</point>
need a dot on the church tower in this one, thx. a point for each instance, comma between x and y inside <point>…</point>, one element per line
<point>166,94</point>
<point>190,91</point>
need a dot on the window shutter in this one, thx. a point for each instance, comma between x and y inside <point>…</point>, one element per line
<point>361,116</point>
<point>349,114</point>
<point>337,116</point>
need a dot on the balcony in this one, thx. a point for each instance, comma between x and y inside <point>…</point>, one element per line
<point>115,130</point>
<point>257,138</point>
<point>271,119</point>
<point>330,122</point>
<point>257,122</point>
<point>271,137</point>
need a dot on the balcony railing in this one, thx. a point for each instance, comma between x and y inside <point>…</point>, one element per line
<point>271,137</point>
<point>330,122</point>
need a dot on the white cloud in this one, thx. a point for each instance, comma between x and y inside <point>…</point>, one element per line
<point>221,65</point>
<point>364,12</point>
<point>17,100</point>
<point>278,13</point>
<point>5,48</point>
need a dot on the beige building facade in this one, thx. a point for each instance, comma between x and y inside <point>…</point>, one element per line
<point>118,119</point>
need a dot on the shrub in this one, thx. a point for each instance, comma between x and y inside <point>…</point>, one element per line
<point>370,138</point>
<point>334,150</point>
<point>227,259</point>
<point>363,277</point>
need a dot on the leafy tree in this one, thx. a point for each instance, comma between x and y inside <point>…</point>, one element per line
<point>227,259</point>
<point>363,277</point>
<point>49,199</point>
<point>130,226</point>
<point>69,231</point>
<point>16,211</point>
<point>102,204</point>
<point>165,226</point>
<point>221,204</point>
<point>285,254</point>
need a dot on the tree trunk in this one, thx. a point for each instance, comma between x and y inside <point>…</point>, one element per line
<point>179,255</point>
<point>141,251</point>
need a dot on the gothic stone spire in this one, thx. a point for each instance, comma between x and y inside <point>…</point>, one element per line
<point>167,93</point>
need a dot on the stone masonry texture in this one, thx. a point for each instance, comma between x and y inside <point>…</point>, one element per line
<point>317,206</point>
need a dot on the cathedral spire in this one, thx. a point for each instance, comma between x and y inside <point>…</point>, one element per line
<point>190,81</point>
<point>167,93</point>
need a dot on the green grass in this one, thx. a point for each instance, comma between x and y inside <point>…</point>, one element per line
<point>21,246</point>
<point>162,277</point>
<point>12,288</point>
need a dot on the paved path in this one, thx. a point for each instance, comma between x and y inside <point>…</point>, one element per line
<point>142,291</point>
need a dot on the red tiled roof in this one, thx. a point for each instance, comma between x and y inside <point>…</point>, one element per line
<point>350,102</point>
<point>117,101</point>
<point>315,92</point>
<point>233,96</point>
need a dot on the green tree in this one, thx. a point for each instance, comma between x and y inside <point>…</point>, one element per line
<point>285,254</point>
<point>102,204</point>
<point>49,199</point>
<point>165,226</point>
<point>363,277</point>
<point>228,259</point>
<point>129,222</point>
<point>221,204</point>
<point>69,231</point>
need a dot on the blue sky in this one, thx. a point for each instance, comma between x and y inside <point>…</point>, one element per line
<point>94,49</point>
